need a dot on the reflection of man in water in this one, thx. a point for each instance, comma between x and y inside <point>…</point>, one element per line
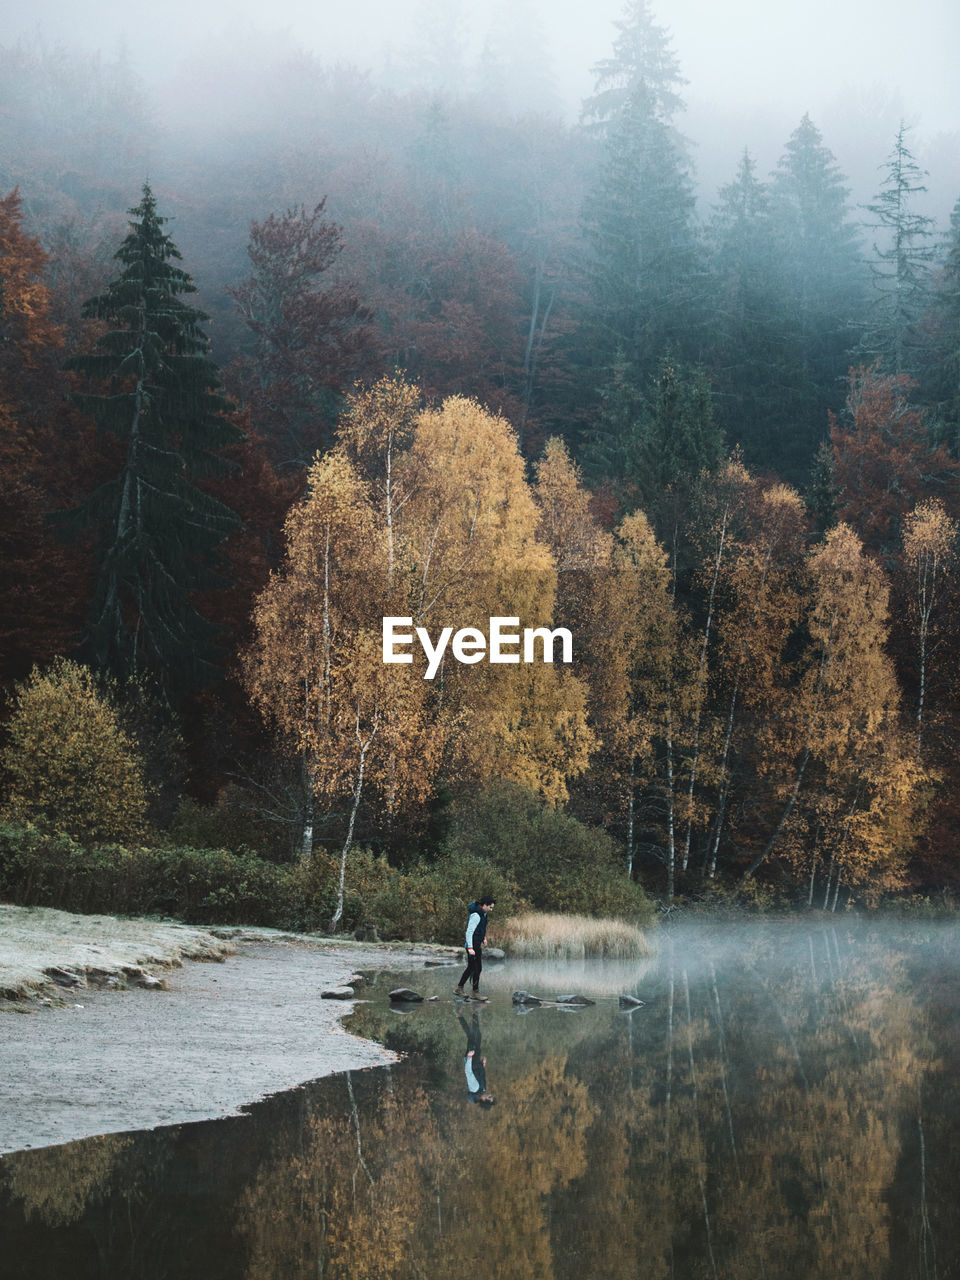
<point>474,1064</point>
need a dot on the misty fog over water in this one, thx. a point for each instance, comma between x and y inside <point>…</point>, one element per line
<point>783,1103</point>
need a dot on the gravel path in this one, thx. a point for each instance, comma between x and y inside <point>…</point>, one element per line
<point>221,1036</point>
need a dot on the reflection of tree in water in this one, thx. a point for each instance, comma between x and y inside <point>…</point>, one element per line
<point>766,1135</point>
<point>782,1107</point>
<point>411,1189</point>
<point>755,1127</point>
<point>56,1184</point>
<point>92,1203</point>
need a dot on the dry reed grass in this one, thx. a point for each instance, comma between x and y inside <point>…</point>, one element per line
<point>539,935</point>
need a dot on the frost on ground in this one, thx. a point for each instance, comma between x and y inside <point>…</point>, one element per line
<point>43,951</point>
<point>218,1037</point>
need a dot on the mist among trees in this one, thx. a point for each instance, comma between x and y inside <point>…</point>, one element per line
<point>288,346</point>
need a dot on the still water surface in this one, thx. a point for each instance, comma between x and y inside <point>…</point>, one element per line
<point>785,1104</point>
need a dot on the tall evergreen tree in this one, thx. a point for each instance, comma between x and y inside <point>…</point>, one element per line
<point>515,70</point>
<point>610,444</point>
<point>651,447</point>
<point>941,375</point>
<point>154,394</point>
<point>644,269</point>
<point>681,439</point>
<point>822,287</point>
<point>645,266</point>
<point>642,58</point>
<point>679,446</point>
<point>901,266</point>
<point>744,334</point>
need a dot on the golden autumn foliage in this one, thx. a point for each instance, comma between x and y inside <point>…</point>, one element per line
<point>56,1183</point>
<point>750,707</point>
<point>567,525</point>
<point>643,573</point>
<point>858,779</point>
<point>425,515</point>
<point>70,767</point>
<point>469,540</point>
<point>375,433</point>
<point>315,667</point>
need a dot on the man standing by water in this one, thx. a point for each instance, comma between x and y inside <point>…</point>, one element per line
<point>475,936</point>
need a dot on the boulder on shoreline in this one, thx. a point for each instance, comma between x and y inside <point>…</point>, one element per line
<point>403,995</point>
<point>337,993</point>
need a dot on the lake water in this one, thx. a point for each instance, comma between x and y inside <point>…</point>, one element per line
<point>784,1104</point>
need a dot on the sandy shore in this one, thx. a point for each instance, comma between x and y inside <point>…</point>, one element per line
<point>219,1037</point>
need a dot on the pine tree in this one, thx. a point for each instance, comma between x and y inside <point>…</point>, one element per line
<point>155,394</point>
<point>901,270</point>
<point>644,445</point>
<point>822,492</point>
<point>610,444</point>
<point>821,287</point>
<point>515,71</point>
<point>644,271</point>
<point>642,59</point>
<point>645,266</point>
<point>941,375</point>
<point>744,338</point>
<point>680,437</point>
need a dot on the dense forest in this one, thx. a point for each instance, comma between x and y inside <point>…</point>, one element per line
<point>367,351</point>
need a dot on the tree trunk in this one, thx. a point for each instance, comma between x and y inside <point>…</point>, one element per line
<point>826,892</point>
<point>718,560</point>
<point>926,604</point>
<point>308,779</point>
<point>357,792</point>
<point>671,823</point>
<point>788,809</point>
<point>630,816</point>
<point>725,784</point>
<point>306,840</point>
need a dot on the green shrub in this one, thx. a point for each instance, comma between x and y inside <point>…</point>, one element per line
<point>429,902</point>
<point>424,903</point>
<point>918,906</point>
<point>209,886</point>
<point>218,887</point>
<point>231,822</point>
<point>557,862</point>
<point>316,881</point>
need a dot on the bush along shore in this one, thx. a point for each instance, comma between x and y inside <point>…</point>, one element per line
<point>421,903</point>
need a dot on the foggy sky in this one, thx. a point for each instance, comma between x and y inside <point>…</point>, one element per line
<point>744,55</point>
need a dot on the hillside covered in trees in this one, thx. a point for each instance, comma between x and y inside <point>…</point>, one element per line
<point>370,352</point>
